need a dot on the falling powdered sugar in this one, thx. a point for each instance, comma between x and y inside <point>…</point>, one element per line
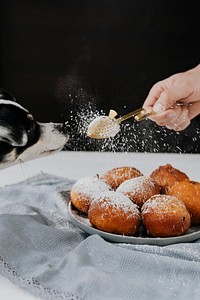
<point>145,136</point>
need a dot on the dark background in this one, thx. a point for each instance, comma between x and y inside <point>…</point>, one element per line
<point>68,60</point>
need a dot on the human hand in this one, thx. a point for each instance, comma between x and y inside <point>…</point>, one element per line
<point>175,100</point>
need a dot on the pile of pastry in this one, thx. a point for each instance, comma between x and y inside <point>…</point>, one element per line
<point>165,203</point>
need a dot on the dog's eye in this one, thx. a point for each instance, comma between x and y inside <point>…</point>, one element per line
<point>30,117</point>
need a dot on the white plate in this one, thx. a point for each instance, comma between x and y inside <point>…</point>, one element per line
<point>81,220</point>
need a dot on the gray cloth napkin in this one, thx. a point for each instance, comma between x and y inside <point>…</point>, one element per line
<point>44,253</point>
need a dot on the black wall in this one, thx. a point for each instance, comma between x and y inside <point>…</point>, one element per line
<point>58,57</point>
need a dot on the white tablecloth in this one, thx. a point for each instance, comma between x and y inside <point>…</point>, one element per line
<point>75,165</point>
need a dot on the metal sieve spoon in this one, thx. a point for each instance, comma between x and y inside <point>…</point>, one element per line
<point>104,127</point>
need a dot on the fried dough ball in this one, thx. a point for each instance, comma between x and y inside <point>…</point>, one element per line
<point>165,216</point>
<point>189,193</point>
<point>118,175</point>
<point>115,213</point>
<point>166,176</point>
<point>85,190</point>
<point>139,189</point>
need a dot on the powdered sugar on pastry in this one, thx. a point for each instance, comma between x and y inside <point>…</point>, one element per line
<point>117,201</point>
<point>90,186</point>
<point>139,189</point>
<point>85,190</point>
<point>164,216</point>
<point>113,212</point>
<point>161,201</point>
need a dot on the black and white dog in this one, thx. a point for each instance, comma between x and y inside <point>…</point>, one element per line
<point>21,137</point>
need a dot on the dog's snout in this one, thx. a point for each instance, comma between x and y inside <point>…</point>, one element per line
<point>62,127</point>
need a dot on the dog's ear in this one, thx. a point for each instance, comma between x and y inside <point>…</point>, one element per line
<point>12,137</point>
<point>12,130</point>
<point>6,95</point>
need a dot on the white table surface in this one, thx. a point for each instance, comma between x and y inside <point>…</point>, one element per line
<point>76,165</point>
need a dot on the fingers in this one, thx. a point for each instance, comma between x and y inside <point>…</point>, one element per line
<point>168,92</point>
<point>177,118</point>
<point>181,122</point>
<point>160,94</point>
<point>153,96</point>
<point>194,109</point>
